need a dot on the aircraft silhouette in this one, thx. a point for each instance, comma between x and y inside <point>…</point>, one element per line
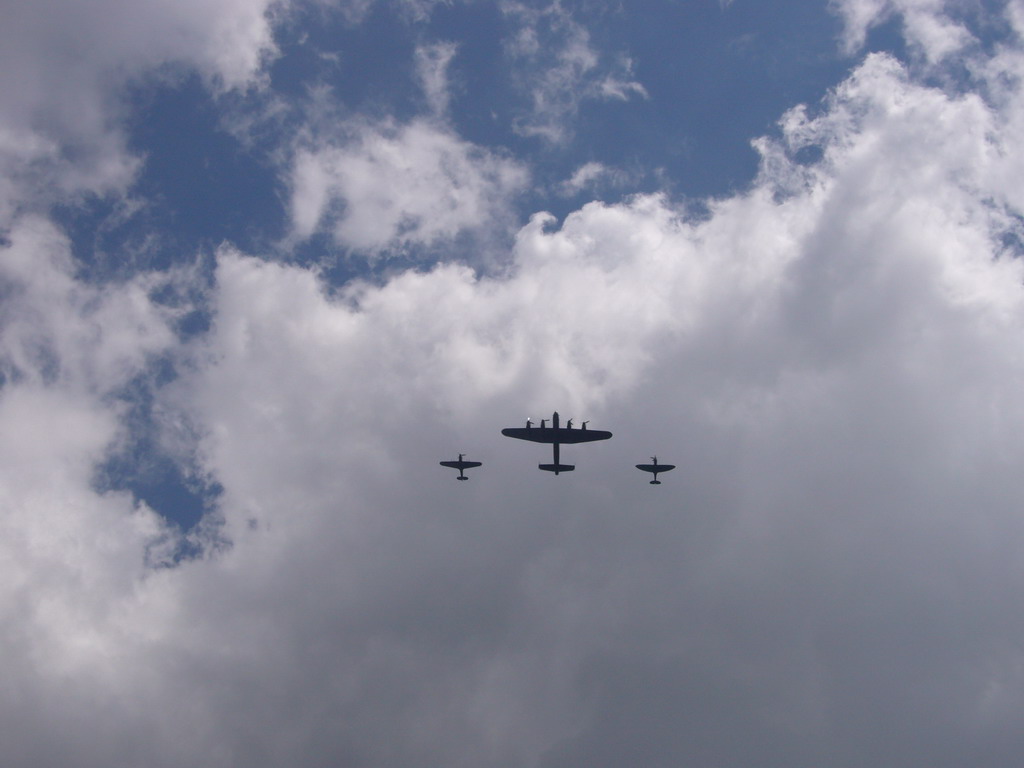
<point>555,435</point>
<point>655,467</point>
<point>461,465</point>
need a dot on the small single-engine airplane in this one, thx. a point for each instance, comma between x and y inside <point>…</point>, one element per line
<point>555,435</point>
<point>655,467</point>
<point>461,465</point>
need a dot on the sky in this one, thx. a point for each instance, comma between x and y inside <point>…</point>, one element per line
<point>265,263</point>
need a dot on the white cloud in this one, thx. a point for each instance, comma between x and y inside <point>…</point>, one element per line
<point>590,175</point>
<point>57,330</point>
<point>74,561</point>
<point>832,358</point>
<point>356,11</point>
<point>859,16</point>
<point>927,25</point>
<point>63,66</point>
<point>833,361</point>
<point>386,186</point>
<point>559,68</point>
<point>620,86</point>
<point>432,66</point>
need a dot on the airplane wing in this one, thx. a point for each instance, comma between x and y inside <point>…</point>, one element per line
<point>560,435</point>
<point>656,467</point>
<point>461,464</point>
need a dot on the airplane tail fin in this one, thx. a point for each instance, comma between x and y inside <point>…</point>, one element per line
<point>556,468</point>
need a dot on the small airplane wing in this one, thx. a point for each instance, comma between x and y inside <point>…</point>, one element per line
<point>656,467</point>
<point>461,464</point>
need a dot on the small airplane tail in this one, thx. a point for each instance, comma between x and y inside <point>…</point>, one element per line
<point>556,468</point>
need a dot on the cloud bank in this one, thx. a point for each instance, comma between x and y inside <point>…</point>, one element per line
<point>831,357</point>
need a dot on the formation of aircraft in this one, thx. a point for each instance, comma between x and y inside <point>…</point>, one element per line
<point>556,435</point>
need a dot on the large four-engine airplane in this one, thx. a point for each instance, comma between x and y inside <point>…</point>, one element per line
<point>461,466</point>
<point>555,435</point>
<point>655,467</point>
